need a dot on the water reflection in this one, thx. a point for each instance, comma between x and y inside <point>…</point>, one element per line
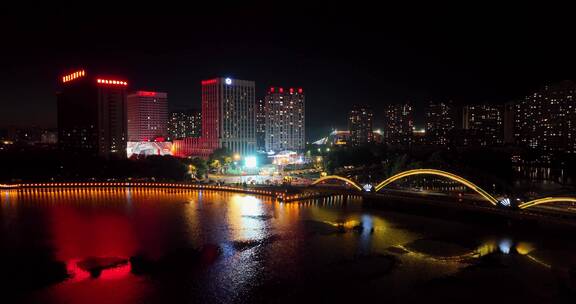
<point>258,244</point>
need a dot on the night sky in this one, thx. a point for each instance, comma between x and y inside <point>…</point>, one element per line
<point>339,56</point>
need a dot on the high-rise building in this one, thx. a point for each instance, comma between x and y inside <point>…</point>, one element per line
<point>360,120</point>
<point>546,119</point>
<point>284,119</point>
<point>228,119</point>
<point>92,116</point>
<point>439,123</point>
<point>509,113</point>
<point>260,125</point>
<point>483,125</point>
<point>186,123</point>
<point>398,124</point>
<point>147,115</point>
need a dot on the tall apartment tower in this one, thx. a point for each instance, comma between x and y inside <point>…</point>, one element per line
<point>398,124</point>
<point>484,124</point>
<point>92,115</point>
<point>360,123</point>
<point>260,125</point>
<point>228,119</point>
<point>440,121</point>
<point>147,115</point>
<point>546,119</point>
<point>284,119</point>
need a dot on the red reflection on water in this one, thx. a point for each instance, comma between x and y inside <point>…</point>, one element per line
<point>78,274</point>
<point>89,234</point>
<point>79,234</point>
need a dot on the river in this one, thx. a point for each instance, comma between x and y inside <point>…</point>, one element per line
<point>176,246</point>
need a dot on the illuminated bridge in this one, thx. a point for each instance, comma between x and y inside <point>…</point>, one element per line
<point>434,172</point>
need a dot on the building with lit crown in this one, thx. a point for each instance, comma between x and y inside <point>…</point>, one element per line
<point>398,124</point>
<point>92,114</point>
<point>228,119</point>
<point>284,111</point>
<point>147,116</point>
<point>360,124</point>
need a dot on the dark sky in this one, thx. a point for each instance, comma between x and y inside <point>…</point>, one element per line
<point>371,55</point>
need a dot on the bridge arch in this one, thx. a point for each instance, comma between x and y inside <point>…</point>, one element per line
<point>546,200</point>
<point>449,175</point>
<point>332,177</point>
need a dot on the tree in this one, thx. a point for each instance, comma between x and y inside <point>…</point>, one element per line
<point>220,159</point>
<point>199,167</point>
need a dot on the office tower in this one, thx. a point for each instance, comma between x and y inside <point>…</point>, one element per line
<point>185,123</point>
<point>483,125</point>
<point>360,121</point>
<point>284,119</point>
<point>92,115</point>
<point>439,123</point>
<point>147,115</point>
<point>546,119</point>
<point>398,124</point>
<point>228,119</point>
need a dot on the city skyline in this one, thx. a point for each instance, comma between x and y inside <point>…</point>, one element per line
<point>390,66</point>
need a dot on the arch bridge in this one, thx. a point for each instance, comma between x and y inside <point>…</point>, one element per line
<point>434,172</point>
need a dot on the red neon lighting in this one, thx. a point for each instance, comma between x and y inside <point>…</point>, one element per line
<point>291,90</point>
<point>211,81</point>
<point>146,94</point>
<point>73,76</point>
<point>160,139</point>
<point>300,90</point>
<point>114,82</point>
<point>281,90</point>
<point>272,89</point>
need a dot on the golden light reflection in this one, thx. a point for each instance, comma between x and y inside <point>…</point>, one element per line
<point>244,218</point>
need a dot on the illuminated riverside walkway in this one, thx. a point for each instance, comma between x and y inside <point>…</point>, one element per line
<point>265,192</point>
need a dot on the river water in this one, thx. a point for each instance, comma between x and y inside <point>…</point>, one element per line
<point>180,246</point>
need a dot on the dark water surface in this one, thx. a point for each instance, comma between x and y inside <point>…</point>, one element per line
<point>178,246</point>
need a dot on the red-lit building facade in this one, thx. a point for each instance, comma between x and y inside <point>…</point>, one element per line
<point>92,116</point>
<point>228,119</point>
<point>147,116</point>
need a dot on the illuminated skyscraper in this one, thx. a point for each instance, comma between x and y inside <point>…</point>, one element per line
<point>147,115</point>
<point>546,119</point>
<point>439,123</point>
<point>284,119</point>
<point>398,124</point>
<point>228,119</point>
<point>360,120</point>
<point>92,116</point>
